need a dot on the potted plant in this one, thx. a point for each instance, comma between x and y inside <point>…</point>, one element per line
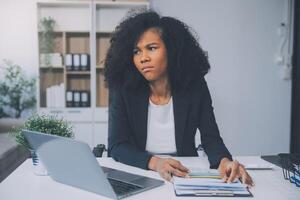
<point>48,124</point>
<point>46,40</point>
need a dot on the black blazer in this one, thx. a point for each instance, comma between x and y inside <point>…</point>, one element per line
<point>127,127</point>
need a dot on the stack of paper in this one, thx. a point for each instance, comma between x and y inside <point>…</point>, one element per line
<point>55,96</point>
<point>208,183</point>
<point>51,60</point>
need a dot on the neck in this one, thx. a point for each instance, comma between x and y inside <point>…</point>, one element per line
<point>160,91</point>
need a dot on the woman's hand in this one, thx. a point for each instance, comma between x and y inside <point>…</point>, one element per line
<point>231,170</point>
<point>167,167</point>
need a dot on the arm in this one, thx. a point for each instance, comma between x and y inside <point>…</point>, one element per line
<point>210,137</point>
<point>121,144</point>
<point>218,155</point>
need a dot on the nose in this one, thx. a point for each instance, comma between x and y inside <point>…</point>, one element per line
<point>144,58</point>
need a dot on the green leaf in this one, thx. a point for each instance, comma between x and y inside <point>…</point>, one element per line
<point>48,124</point>
<point>17,92</point>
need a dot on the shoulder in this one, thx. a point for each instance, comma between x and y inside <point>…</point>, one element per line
<point>193,91</point>
<point>197,91</point>
<point>198,85</point>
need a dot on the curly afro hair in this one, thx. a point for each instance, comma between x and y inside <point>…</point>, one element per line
<point>186,59</point>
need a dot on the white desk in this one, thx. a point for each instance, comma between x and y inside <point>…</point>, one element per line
<point>23,184</point>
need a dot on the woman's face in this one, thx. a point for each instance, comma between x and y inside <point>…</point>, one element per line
<point>150,56</point>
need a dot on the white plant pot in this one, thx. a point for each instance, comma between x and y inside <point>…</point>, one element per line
<point>38,167</point>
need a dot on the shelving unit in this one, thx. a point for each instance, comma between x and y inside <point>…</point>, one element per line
<point>49,77</point>
<point>82,27</point>
<point>102,45</point>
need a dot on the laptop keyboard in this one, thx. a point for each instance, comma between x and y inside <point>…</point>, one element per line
<point>122,188</point>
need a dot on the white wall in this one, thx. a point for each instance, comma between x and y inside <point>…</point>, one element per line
<point>251,101</point>
<point>18,33</point>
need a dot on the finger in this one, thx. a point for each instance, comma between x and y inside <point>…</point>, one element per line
<point>246,178</point>
<point>223,175</point>
<point>176,164</point>
<point>174,171</point>
<point>234,172</point>
<point>225,178</point>
<point>177,172</point>
<point>249,181</point>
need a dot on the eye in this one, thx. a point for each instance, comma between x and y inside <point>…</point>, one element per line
<point>136,51</point>
<point>152,48</point>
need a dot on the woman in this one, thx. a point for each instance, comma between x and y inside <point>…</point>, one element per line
<point>158,98</point>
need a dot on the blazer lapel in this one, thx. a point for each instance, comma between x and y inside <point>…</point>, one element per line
<point>139,105</point>
<point>180,107</point>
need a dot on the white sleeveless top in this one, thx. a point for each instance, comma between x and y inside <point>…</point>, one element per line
<point>161,129</point>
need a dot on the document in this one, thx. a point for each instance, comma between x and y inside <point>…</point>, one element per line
<point>255,163</point>
<point>201,182</point>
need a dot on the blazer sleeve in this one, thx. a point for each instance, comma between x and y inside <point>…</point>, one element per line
<point>211,140</point>
<point>121,144</point>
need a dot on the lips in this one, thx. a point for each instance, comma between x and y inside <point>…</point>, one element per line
<point>147,68</point>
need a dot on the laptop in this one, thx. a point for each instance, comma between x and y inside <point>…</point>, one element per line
<point>71,162</point>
